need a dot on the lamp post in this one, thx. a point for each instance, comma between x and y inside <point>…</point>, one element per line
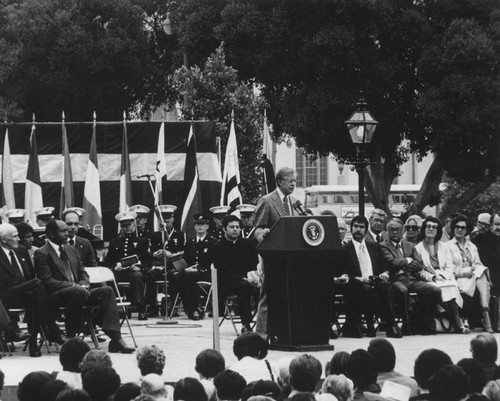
<point>361,126</point>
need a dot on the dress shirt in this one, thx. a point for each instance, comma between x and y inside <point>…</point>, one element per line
<point>365,262</point>
<point>7,253</point>
<point>282,196</point>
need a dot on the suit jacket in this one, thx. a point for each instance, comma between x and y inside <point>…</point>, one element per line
<point>270,209</point>
<point>369,237</point>
<point>353,268</point>
<point>52,270</point>
<point>10,276</point>
<point>86,251</point>
<point>397,264</point>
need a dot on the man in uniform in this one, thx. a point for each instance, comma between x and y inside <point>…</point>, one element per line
<point>82,245</point>
<point>218,213</point>
<point>60,268</point>
<point>197,254</point>
<point>43,216</point>
<point>126,245</point>
<point>142,218</point>
<point>247,216</point>
<point>15,216</point>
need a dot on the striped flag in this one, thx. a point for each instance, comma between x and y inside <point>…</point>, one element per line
<point>160,173</point>
<point>92,190</point>
<point>33,199</point>
<point>230,191</point>
<point>67,192</point>
<point>192,193</point>
<point>8,200</point>
<point>125,175</point>
<point>269,179</point>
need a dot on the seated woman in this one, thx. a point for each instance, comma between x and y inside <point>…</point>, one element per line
<point>412,228</point>
<point>470,273</point>
<point>439,269</point>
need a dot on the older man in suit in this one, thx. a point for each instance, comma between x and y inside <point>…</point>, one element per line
<point>60,268</point>
<point>83,246</point>
<point>404,269</point>
<point>376,225</point>
<point>270,209</point>
<point>368,285</point>
<point>19,288</point>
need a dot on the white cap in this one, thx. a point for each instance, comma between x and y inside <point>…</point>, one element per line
<point>44,211</point>
<point>167,209</point>
<point>245,208</point>
<point>15,213</point>
<point>139,209</point>
<point>220,210</point>
<point>125,216</point>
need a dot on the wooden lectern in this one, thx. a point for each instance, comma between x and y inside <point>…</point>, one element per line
<point>299,257</point>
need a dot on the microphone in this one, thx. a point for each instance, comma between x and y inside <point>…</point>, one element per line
<point>299,209</point>
<point>148,176</point>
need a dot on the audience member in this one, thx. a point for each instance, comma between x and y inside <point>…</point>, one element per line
<point>492,390</point>
<point>30,386</point>
<point>127,392</point>
<point>362,370</point>
<point>338,364</point>
<point>229,385</point>
<point>426,364</point>
<point>484,349</point>
<point>190,389</point>
<point>150,360</point>
<point>340,386</point>
<point>385,357</point>
<point>96,358</point>
<point>251,349</point>
<point>262,388</point>
<point>412,229</point>
<point>305,372</point>
<point>71,356</point>
<point>209,363</point>
<point>260,398</point>
<point>100,382</point>
<point>51,390</point>
<point>73,395</point>
<point>450,383</point>
<point>474,370</point>
<point>153,385</point>
<point>303,397</point>
<point>390,392</point>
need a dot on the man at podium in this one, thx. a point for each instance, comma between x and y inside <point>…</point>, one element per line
<point>270,208</point>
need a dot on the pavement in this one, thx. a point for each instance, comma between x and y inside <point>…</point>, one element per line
<point>181,343</point>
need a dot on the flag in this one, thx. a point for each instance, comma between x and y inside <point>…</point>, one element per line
<point>269,180</point>
<point>125,175</point>
<point>230,191</point>
<point>92,190</point>
<point>67,193</point>
<point>192,193</point>
<point>7,195</point>
<point>160,174</point>
<point>33,199</point>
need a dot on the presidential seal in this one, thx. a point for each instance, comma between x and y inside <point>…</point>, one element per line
<point>313,232</point>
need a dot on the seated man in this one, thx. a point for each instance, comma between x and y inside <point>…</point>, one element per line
<point>233,258</point>
<point>368,283</point>
<point>128,244</point>
<point>198,258</point>
<point>404,270</point>
<point>60,268</point>
<point>82,245</point>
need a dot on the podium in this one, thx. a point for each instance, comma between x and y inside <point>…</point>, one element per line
<point>299,256</point>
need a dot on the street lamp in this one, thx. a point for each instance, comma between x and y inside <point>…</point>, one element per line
<point>361,126</point>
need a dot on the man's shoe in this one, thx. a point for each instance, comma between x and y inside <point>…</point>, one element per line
<point>351,332</point>
<point>194,316</point>
<point>34,351</point>
<point>245,329</point>
<point>370,331</point>
<point>143,316</point>
<point>332,335</point>
<point>119,346</point>
<point>394,332</point>
<point>153,312</point>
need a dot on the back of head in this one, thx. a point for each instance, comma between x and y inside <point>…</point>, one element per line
<point>492,390</point>
<point>305,372</point>
<point>95,358</point>
<point>266,388</point>
<point>338,363</point>
<point>72,353</point>
<point>229,385</point>
<point>100,382</point>
<point>450,383</point>
<point>427,363</point>
<point>150,359</point>
<point>153,385</point>
<point>189,389</point>
<point>250,344</point>
<point>209,363</point>
<point>127,392</point>
<point>362,368</point>
<point>51,390</point>
<point>340,386</point>
<point>484,348</point>
<point>474,370</point>
<point>73,395</point>
<point>283,368</point>
<point>31,384</point>
<point>384,354</point>
<point>307,396</point>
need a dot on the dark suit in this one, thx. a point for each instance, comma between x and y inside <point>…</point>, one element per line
<point>86,251</point>
<point>383,237</point>
<point>61,279</point>
<point>405,278</point>
<point>488,247</point>
<point>364,297</point>
<point>23,290</point>
<point>269,210</point>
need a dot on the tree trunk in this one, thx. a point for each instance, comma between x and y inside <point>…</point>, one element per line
<point>429,187</point>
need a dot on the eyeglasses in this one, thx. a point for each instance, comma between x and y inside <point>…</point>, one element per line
<point>460,227</point>
<point>431,226</point>
<point>484,225</point>
<point>411,228</point>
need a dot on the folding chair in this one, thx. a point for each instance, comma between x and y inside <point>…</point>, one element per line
<point>99,275</point>
<point>43,338</point>
<point>206,292</point>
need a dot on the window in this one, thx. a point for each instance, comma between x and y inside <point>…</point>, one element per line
<point>310,170</point>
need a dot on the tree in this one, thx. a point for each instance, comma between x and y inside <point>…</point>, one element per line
<point>211,93</point>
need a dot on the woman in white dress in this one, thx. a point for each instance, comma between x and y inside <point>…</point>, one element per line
<point>470,273</point>
<point>438,269</point>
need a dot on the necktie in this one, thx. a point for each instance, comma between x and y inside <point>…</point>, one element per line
<point>379,238</point>
<point>286,206</point>
<point>400,251</point>
<point>365,262</point>
<point>71,242</point>
<point>67,271</point>
<point>14,263</point>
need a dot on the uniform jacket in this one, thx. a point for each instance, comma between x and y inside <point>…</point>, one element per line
<point>199,253</point>
<point>128,246</point>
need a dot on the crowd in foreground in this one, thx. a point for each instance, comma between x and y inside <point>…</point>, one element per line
<point>88,375</point>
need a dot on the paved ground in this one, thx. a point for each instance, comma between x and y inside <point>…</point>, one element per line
<point>182,342</point>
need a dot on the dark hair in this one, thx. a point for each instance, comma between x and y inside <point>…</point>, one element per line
<point>23,229</point>
<point>362,368</point>
<point>127,392</point>
<point>337,364</point>
<point>30,386</point>
<point>51,390</point>
<point>457,220</point>
<point>493,215</point>
<point>189,389</point>
<point>384,354</point>
<point>73,395</point>
<point>307,396</point>
<point>427,363</point>
<point>72,353</point>
<point>432,219</point>
<point>209,362</point>
<point>229,219</point>
<point>449,383</point>
<point>266,388</point>
<point>359,219</point>
<point>100,382</point>
<point>475,371</point>
<point>150,359</point>
<point>2,379</point>
<point>484,348</point>
<point>250,344</point>
<point>305,372</point>
<point>229,385</point>
<point>52,227</point>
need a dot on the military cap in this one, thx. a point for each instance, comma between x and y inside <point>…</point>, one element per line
<point>245,209</point>
<point>167,210</point>
<point>200,218</point>
<point>141,210</point>
<point>15,213</point>
<point>45,211</point>
<point>220,211</point>
<point>125,216</point>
